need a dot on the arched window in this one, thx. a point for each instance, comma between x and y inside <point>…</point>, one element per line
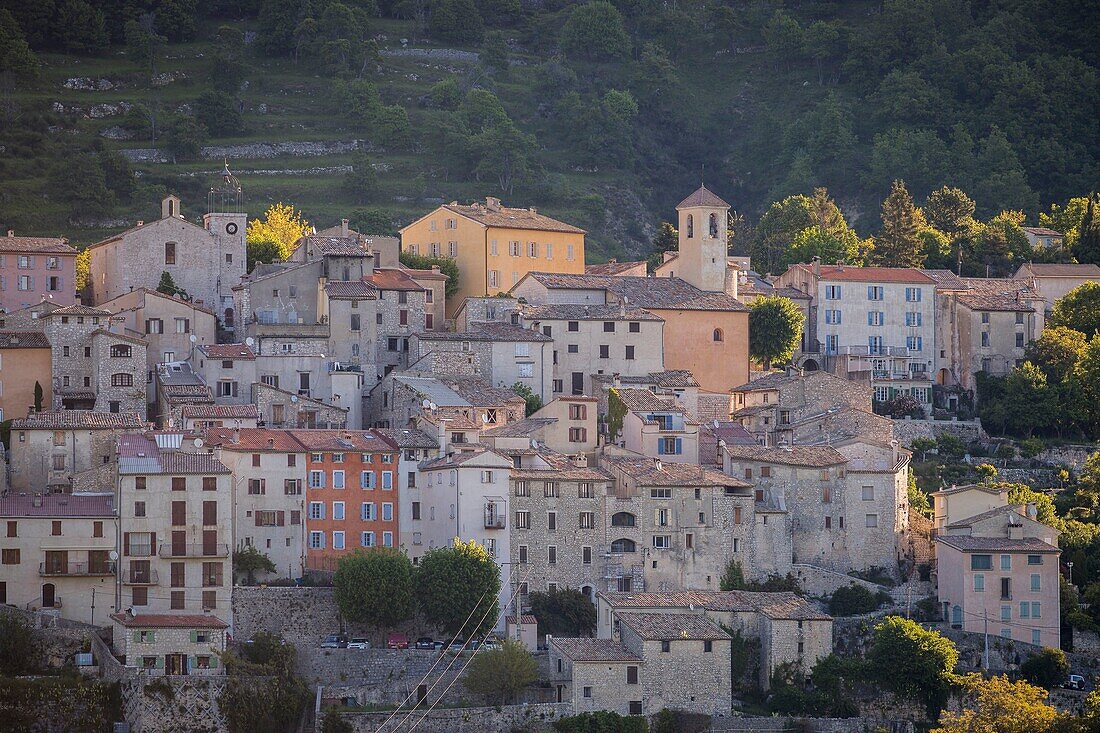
<point>122,380</point>
<point>228,317</point>
<point>714,225</point>
<point>622,519</point>
<point>122,351</point>
<point>718,336</point>
<point>622,545</point>
<point>691,226</point>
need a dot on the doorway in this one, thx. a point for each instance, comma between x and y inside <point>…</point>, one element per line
<point>49,597</point>
<point>176,664</point>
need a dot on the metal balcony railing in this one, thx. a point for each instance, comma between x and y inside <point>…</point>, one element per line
<point>141,577</point>
<point>494,519</point>
<point>49,569</point>
<point>169,549</point>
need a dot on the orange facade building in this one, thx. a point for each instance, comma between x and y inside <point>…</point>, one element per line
<point>351,493</point>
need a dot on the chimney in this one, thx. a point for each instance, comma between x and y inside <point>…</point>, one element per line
<point>270,443</point>
<point>657,464</point>
<point>236,435</point>
<point>1032,510</point>
<point>37,500</point>
<point>343,227</point>
<point>443,436</point>
<point>141,222</point>
<point>11,232</point>
<point>533,210</point>
<point>816,266</point>
<point>492,203</point>
<point>616,380</point>
<point>894,448</point>
<point>580,460</point>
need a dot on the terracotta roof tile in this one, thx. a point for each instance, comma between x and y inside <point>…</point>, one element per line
<point>509,218</point>
<point>408,438</point>
<point>1059,270</point>
<point>850,273</point>
<point>170,621</point>
<point>778,605</point>
<point>486,331</point>
<point>79,420</point>
<point>577,312</point>
<point>324,244</point>
<point>998,294</point>
<point>58,505</point>
<point>593,650</point>
<point>613,267</point>
<point>236,352</point>
<point>668,293</point>
<point>797,455</point>
<point>351,290</point>
<point>23,340</point>
<point>228,412</point>
<point>702,196</point>
<point>671,626</point>
<point>645,472</point>
<point>391,279</point>
<point>358,441</point>
<point>36,245</point>
<point>253,440</point>
<point>639,400</point>
<point>968,543</point>
<point>1041,231</point>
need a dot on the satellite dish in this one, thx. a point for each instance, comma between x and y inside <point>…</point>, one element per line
<point>427,404</point>
<point>432,405</point>
<point>198,442</point>
<point>249,341</point>
<point>192,338</point>
<point>294,398</point>
<point>322,356</point>
<point>113,555</point>
<point>484,418</point>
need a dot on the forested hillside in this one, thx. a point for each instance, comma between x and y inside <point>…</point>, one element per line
<point>603,113</point>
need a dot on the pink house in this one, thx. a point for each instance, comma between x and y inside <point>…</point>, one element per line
<point>36,268</point>
<point>1006,586</point>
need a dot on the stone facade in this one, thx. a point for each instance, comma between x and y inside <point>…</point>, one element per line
<point>170,645</point>
<point>504,719</point>
<point>279,408</point>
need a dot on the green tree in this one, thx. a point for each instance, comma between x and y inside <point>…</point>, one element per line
<point>361,182</point>
<point>494,51</point>
<point>335,723</point>
<point>17,647</point>
<point>375,586</point>
<point>601,721</point>
<point>913,662</point>
<point>778,227</point>
<point>248,561</point>
<point>949,210</point>
<point>1079,310</point>
<point>666,239</point>
<point>898,244</point>
<point>456,21</point>
<point>263,250</point>
<point>1056,352</point>
<point>501,674</point>
<point>168,286</point>
<point>504,152</point>
<point>733,577</point>
<point>446,265</point>
<point>853,600</point>
<point>81,28</point>
<point>1086,375</point>
<point>563,612</point>
<point>219,113</point>
<point>184,137</point>
<point>16,56</point>
<point>1046,669</point>
<point>918,500</point>
<point>1030,402</point>
<point>775,329</point>
<point>532,400</point>
<point>1087,247</point>
<point>784,38</point>
<point>457,587</point>
<point>374,220</point>
<point>595,31</point>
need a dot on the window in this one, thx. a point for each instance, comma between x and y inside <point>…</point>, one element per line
<point>122,380</point>
<point>338,510</point>
<point>1036,637</point>
<point>316,510</point>
<point>666,646</point>
<point>979,583</point>
<point>605,351</point>
<point>833,317</point>
<point>587,692</point>
<point>1006,562</point>
<point>1025,609</point>
<point>169,253</point>
<point>913,295</point>
<point>1034,559</point>
<point>337,540</point>
<point>9,556</point>
<point>523,519</point>
<point>1006,588</point>
<point>913,319</point>
<point>1019,341</point>
<point>257,486</point>
<point>387,512</point>
<point>635,327</point>
<point>868,493</point>
<point>532,249</point>
<point>832,292</point>
<point>552,521</point>
<point>874,344</point>
<point>914,343</point>
<point>631,670</point>
<point>1036,611</point>
<point>552,555</point>
<point>587,520</point>
<point>1036,582</point>
<point>981,562</point>
<point>121,351</point>
<point>660,493</point>
<point>623,519</point>
<point>387,480</point>
<point>316,540</point>
<point>337,479</point>
<point>871,520</point>
<point>316,479</point>
<point>550,489</point>
<point>292,487</point>
<point>708,646</point>
<point>586,555</point>
<point>662,541</point>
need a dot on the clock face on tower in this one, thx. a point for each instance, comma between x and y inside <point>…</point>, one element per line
<point>231,228</point>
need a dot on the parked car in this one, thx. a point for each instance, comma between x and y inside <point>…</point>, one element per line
<point>397,641</point>
<point>334,641</point>
<point>492,642</point>
<point>456,645</point>
<point>425,642</point>
<point>1074,682</point>
<point>359,643</point>
<point>437,645</point>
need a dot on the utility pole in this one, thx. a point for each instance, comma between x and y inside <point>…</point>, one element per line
<point>985,655</point>
<point>92,619</point>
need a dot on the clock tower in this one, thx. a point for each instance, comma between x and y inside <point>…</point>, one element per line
<point>227,221</point>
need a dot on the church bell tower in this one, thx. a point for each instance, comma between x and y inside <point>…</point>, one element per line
<point>703,244</point>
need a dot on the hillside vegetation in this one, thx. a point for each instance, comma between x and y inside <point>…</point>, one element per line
<point>602,113</point>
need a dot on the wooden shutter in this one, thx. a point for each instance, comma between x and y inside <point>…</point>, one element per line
<point>125,543</point>
<point>256,514</point>
<point>280,518</point>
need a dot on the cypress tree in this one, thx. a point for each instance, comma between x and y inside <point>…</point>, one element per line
<point>1087,250</point>
<point>898,245</point>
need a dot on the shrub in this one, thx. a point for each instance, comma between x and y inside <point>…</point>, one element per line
<point>1046,669</point>
<point>853,600</point>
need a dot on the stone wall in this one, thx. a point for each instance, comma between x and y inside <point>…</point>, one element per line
<point>296,614</point>
<point>172,704</point>
<point>818,581</point>
<point>807,725</point>
<point>464,720</point>
<point>56,640</point>
<point>1086,642</point>
<point>1039,478</point>
<point>965,430</point>
<point>1073,456</point>
<point>384,677</point>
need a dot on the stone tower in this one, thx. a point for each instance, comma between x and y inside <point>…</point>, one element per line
<point>227,221</point>
<point>702,258</point>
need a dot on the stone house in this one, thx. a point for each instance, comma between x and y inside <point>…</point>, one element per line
<point>55,554</point>
<point>197,418</point>
<point>1054,281</point>
<point>653,650</point>
<point>204,261</point>
<point>280,408</point>
<point>601,339</point>
<point>677,384</point>
<point>566,425</point>
<point>177,387</point>
<point>176,524</point>
<point>789,629</point>
<point>499,308</point>
<point>166,323</point>
<point>67,450</point>
<point>871,324</point>
<point>557,533</point>
<point>465,495</point>
<point>675,525</point>
<point>170,643</point>
<point>614,267</point>
<point>402,397</point>
<point>984,325</point>
<point>94,365</point>
<point>230,370</point>
<point>705,333</point>
<point>414,447</point>
<point>507,354</point>
<point>958,503</point>
<point>33,269</point>
<point>352,493</point>
<point>701,255</point>
<point>269,498</point>
<point>655,426</point>
<point>494,246</point>
<point>847,504</point>
<point>25,361</point>
<point>794,405</point>
<point>30,318</point>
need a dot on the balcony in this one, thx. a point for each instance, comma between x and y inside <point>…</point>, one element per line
<point>75,569</point>
<point>892,376</point>
<point>494,518</point>
<point>344,366</point>
<point>217,549</point>
<point>141,577</point>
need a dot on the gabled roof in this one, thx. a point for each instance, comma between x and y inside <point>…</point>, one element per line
<point>338,441</point>
<point>36,245</point>
<point>170,621</point>
<point>351,290</point>
<point>1058,270</point>
<point>998,294</point>
<point>667,293</point>
<point>775,605</point>
<point>593,650</point>
<point>228,352</point>
<point>645,472</point>
<point>77,310</point>
<point>578,312</point>
<point>851,273</point>
<point>23,340</point>
<point>946,280</point>
<point>995,489</point>
<point>219,412</point>
<point>1013,509</point>
<point>393,279</point>
<point>140,454</point>
<point>253,440</point>
<point>58,505</point>
<point>969,543</point>
<point>408,437</point>
<point>164,296</point>
<point>612,267</point>
<point>642,400</point>
<point>331,245</point>
<point>486,331</point>
<point>1041,231</point>
<point>509,218</point>
<point>672,626</point>
<point>458,458</point>
<point>702,196</point>
<point>79,420</point>
<point>796,455</point>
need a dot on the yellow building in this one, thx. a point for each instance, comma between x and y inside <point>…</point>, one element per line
<point>494,246</point>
